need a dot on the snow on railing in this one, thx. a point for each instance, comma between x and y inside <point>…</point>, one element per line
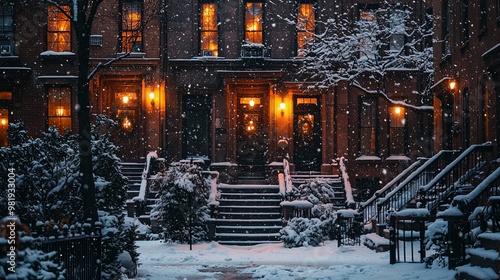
<point>214,192</point>
<point>369,207</point>
<point>145,172</point>
<point>287,178</point>
<point>349,198</point>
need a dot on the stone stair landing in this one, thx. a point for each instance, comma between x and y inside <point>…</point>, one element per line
<point>248,214</point>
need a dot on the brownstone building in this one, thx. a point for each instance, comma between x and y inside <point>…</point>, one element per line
<point>213,79</point>
<point>467,67</point>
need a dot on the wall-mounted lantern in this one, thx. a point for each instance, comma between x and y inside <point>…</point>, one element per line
<point>152,98</point>
<point>282,107</point>
<point>452,85</point>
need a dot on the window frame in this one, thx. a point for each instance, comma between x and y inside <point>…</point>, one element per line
<point>61,38</point>
<point>132,29</point>
<point>53,113</point>
<point>206,46</point>
<point>302,32</point>
<point>445,29</point>
<point>465,30</point>
<point>367,52</point>
<point>259,32</point>
<point>6,34</point>
<point>397,127</point>
<point>400,37</point>
<point>373,150</point>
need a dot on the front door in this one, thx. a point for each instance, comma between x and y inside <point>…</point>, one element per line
<point>196,121</point>
<point>307,133</point>
<point>252,136</point>
<point>126,104</point>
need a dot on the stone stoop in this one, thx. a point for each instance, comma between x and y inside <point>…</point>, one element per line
<point>485,260</point>
<point>248,214</point>
<point>133,172</point>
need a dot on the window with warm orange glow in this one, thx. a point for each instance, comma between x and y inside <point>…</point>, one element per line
<point>397,131</point>
<point>209,29</point>
<point>253,22</point>
<point>58,29</point>
<point>131,39</point>
<point>306,26</point>
<point>59,108</point>
<point>368,17</point>
<point>4,124</point>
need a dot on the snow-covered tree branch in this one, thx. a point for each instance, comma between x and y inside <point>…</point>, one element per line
<point>365,52</point>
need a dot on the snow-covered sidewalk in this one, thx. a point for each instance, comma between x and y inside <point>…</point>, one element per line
<point>215,261</point>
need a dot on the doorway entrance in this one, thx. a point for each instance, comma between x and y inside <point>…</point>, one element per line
<point>196,126</point>
<point>252,134</point>
<point>307,133</point>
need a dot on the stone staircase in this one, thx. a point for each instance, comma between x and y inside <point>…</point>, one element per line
<point>484,260</point>
<point>248,214</point>
<point>133,172</point>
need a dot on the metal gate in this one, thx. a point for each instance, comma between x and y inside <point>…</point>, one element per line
<point>406,234</point>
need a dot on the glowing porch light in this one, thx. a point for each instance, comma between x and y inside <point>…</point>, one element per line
<point>125,99</point>
<point>452,84</point>
<point>3,122</point>
<point>252,102</point>
<point>397,110</point>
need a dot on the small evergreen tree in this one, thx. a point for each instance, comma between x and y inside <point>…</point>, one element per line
<point>183,193</point>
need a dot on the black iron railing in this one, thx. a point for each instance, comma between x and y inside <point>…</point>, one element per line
<point>466,165</point>
<point>407,190</point>
<point>78,250</point>
<point>369,207</point>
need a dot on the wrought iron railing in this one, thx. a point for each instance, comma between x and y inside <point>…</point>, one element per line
<point>369,207</point>
<point>466,165</point>
<point>406,191</point>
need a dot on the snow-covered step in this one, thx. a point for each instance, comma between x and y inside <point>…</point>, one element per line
<point>469,272</point>
<point>248,214</point>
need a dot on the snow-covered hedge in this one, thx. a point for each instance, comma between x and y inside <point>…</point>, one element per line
<point>183,193</point>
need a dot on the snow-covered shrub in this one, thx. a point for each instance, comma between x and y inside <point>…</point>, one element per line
<point>319,193</point>
<point>48,187</point>
<point>183,193</point>
<point>30,262</point>
<point>302,232</point>
<point>436,239</point>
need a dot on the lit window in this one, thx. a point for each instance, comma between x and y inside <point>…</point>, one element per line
<point>397,130</point>
<point>5,99</point>
<point>368,127</point>
<point>305,27</point>
<point>4,124</point>
<point>6,28</point>
<point>209,29</point>
<point>59,108</point>
<point>131,39</point>
<point>59,29</point>
<point>253,23</point>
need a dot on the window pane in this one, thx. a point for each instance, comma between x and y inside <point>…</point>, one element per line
<point>209,28</point>
<point>253,23</point>
<point>397,122</point>
<point>368,130</point>
<point>6,18</point>
<point>131,26</point>
<point>58,29</point>
<point>59,108</point>
<point>305,26</point>
<point>4,124</point>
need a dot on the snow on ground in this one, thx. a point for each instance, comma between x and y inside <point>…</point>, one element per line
<point>273,261</point>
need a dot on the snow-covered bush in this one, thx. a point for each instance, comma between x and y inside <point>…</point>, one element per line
<point>302,232</point>
<point>436,239</point>
<point>319,193</point>
<point>30,262</point>
<point>48,187</point>
<point>183,193</point>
